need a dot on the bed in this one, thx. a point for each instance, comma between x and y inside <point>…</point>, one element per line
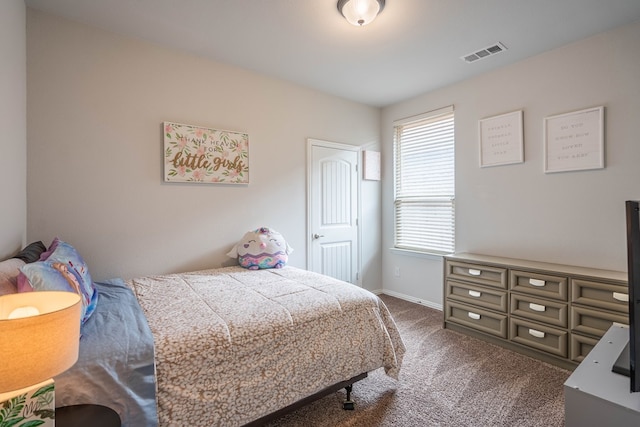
<point>228,346</point>
<point>233,346</point>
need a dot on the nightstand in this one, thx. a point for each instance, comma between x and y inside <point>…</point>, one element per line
<point>86,415</point>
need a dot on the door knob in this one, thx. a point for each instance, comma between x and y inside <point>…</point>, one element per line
<point>317,236</point>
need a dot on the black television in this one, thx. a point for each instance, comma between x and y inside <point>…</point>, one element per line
<point>629,360</point>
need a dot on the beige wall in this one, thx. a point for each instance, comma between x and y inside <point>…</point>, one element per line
<point>96,104</point>
<point>13,122</point>
<point>517,210</point>
<point>96,101</point>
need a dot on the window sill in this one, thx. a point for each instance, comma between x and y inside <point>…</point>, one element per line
<point>417,254</point>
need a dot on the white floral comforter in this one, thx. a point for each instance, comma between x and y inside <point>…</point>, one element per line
<point>233,345</point>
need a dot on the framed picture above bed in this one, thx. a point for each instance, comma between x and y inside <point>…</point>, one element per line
<point>202,155</point>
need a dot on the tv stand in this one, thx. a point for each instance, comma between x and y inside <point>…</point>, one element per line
<point>622,364</point>
<point>596,396</point>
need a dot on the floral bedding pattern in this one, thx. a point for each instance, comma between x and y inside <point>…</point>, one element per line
<point>233,345</point>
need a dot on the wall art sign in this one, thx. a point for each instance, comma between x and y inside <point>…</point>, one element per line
<point>203,155</point>
<point>501,139</point>
<point>371,169</point>
<point>574,141</point>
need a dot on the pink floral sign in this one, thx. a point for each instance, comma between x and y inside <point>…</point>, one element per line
<point>202,155</point>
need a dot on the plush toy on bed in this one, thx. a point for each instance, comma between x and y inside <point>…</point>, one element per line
<point>261,248</point>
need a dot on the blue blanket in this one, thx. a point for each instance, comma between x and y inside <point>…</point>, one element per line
<point>115,367</point>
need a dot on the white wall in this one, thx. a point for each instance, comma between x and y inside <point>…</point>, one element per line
<point>13,122</point>
<point>96,104</point>
<point>517,210</point>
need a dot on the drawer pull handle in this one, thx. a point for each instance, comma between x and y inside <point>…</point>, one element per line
<point>474,316</point>
<point>537,307</point>
<point>475,294</point>
<point>536,282</point>
<point>535,333</point>
<point>474,272</point>
<point>621,297</point>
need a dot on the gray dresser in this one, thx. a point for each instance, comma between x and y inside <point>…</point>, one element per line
<point>553,312</point>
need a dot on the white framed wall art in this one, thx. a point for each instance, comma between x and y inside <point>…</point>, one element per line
<point>501,139</point>
<point>574,141</point>
<point>371,170</point>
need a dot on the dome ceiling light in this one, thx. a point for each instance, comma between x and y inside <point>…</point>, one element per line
<point>360,12</point>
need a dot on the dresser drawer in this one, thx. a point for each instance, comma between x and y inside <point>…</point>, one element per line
<point>545,311</point>
<point>477,318</point>
<point>580,347</point>
<point>602,295</point>
<point>478,296</point>
<point>594,322</point>
<point>481,274</point>
<point>545,338</point>
<point>543,285</point>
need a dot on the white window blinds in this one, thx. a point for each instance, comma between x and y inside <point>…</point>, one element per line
<point>425,182</point>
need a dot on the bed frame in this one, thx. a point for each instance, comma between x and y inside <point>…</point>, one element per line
<point>348,404</point>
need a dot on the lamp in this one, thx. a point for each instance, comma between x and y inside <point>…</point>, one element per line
<point>360,12</point>
<point>39,339</point>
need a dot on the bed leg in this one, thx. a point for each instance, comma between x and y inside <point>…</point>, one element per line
<point>348,404</point>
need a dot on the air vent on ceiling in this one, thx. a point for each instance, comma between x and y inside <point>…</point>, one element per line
<point>484,53</point>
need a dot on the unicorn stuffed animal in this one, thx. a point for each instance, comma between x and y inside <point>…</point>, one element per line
<point>261,248</point>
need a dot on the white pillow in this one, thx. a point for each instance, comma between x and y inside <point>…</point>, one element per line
<point>9,270</point>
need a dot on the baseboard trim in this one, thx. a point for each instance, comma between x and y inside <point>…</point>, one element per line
<point>408,298</point>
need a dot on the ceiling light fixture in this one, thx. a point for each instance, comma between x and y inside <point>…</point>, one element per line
<point>360,12</point>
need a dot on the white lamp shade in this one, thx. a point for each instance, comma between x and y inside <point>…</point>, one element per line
<point>37,347</point>
<point>360,12</point>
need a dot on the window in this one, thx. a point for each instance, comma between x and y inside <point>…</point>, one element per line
<point>424,182</point>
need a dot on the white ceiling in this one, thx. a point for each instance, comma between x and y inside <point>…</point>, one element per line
<point>414,46</point>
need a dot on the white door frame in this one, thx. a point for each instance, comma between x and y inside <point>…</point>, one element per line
<point>339,146</point>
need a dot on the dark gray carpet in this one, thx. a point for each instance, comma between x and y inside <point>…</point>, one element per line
<point>447,379</point>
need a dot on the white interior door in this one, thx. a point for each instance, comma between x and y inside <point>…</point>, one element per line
<point>333,210</point>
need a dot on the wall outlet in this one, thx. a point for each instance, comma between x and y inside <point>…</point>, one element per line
<point>396,272</point>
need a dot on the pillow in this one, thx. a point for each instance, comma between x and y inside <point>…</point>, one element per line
<point>261,248</point>
<point>62,269</point>
<point>52,247</point>
<point>9,270</point>
<point>32,252</point>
